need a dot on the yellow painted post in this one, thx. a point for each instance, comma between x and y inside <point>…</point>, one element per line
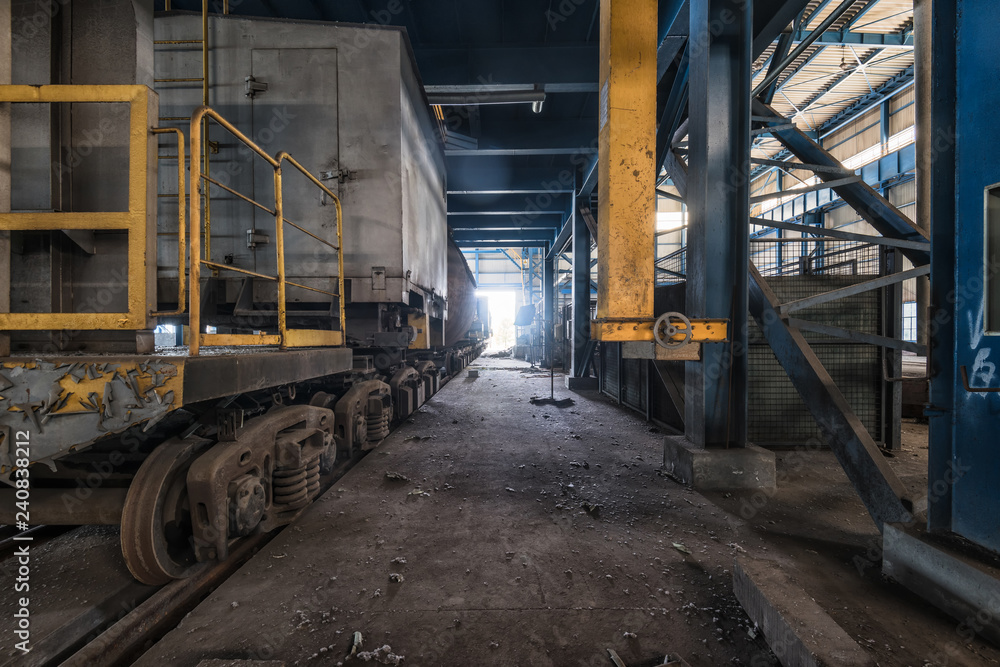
<point>279,242</point>
<point>626,172</point>
<point>194,236</point>
<point>341,294</point>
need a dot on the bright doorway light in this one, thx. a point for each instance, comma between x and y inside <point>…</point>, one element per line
<point>503,308</point>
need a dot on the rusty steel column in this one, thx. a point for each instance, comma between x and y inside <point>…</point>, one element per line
<point>626,175</point>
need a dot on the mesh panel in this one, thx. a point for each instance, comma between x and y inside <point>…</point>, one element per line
<point>634,383</point>
<point>797,268</point>
<point>609,369</point>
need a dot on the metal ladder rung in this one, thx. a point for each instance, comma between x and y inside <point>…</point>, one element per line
<point>175,118</point>
<point>179,41</point>
<point>192,80</point>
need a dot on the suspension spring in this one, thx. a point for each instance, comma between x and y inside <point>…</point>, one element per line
<point>312,478</point>
<point>291,487</point>
<point>378,426</point>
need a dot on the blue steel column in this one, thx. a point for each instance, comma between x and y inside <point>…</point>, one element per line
<point>581,292</point>
<point>963,455</point>
<point>935,166</point>
<point>719,203</point>
<point>548,295</point>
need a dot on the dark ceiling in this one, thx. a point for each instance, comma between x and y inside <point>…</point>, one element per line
<point>468,46</point>
<point>514,170</point>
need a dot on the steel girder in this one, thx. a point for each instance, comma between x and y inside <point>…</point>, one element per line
<point>872,206</point>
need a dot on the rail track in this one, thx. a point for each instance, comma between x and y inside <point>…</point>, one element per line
<point>122,626</point>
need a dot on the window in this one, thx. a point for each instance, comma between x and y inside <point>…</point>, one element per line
<point>991,277</point>
<point>910,321</point>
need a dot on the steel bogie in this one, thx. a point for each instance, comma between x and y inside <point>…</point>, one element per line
<point>363,416</point>
<point>261,480</point>
<point>194,498</point>
<point>431,375</point>
<point>408,392</point>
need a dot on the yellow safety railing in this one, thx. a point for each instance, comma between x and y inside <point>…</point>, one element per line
<point>139,221</point>
<point>285,337</point>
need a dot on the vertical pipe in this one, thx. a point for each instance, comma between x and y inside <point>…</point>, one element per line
<point>204,101</point>
<point>719,225</point>
<point>580,292</point>
<point>884,123</point>
<point>922,69</point>
<point>548,297</point>
<point>340,273</point>
<point>194,236</point>
<point>279,245</point>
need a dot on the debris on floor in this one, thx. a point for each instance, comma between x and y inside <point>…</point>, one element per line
<point>557,402</point>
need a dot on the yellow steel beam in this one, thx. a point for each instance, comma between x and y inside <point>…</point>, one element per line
<point>312,338</point>
<point>45,220</point>
<point>71,321</point>
<point>626,175</point>
<point>222,340</point>
<point>702,330</point>
<point>68,93</point>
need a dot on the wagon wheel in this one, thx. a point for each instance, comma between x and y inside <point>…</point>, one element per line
<point>156,521</point>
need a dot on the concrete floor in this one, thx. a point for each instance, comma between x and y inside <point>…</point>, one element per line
<point>534,535</point>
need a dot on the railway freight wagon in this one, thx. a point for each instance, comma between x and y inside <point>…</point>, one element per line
<point>310,276</point>
<point>347,103</point>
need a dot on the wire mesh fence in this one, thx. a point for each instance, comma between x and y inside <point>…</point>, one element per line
<point>798,266</point>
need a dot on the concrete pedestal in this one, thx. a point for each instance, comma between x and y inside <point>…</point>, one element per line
<point>578,384</point>
<point>749,467</point>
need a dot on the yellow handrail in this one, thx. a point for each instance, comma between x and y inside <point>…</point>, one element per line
<point>282,156</point>
<point>285,337</point>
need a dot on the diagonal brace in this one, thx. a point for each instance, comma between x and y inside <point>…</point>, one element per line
<point>851,290</point>
<point>880,489</point>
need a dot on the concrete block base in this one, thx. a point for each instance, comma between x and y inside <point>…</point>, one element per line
<point>579,384</point>
<point>955,582</point>
<point>749,467</point>
<point>797,629</point>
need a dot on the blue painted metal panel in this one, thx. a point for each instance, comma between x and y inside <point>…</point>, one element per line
<point>965,439</point>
